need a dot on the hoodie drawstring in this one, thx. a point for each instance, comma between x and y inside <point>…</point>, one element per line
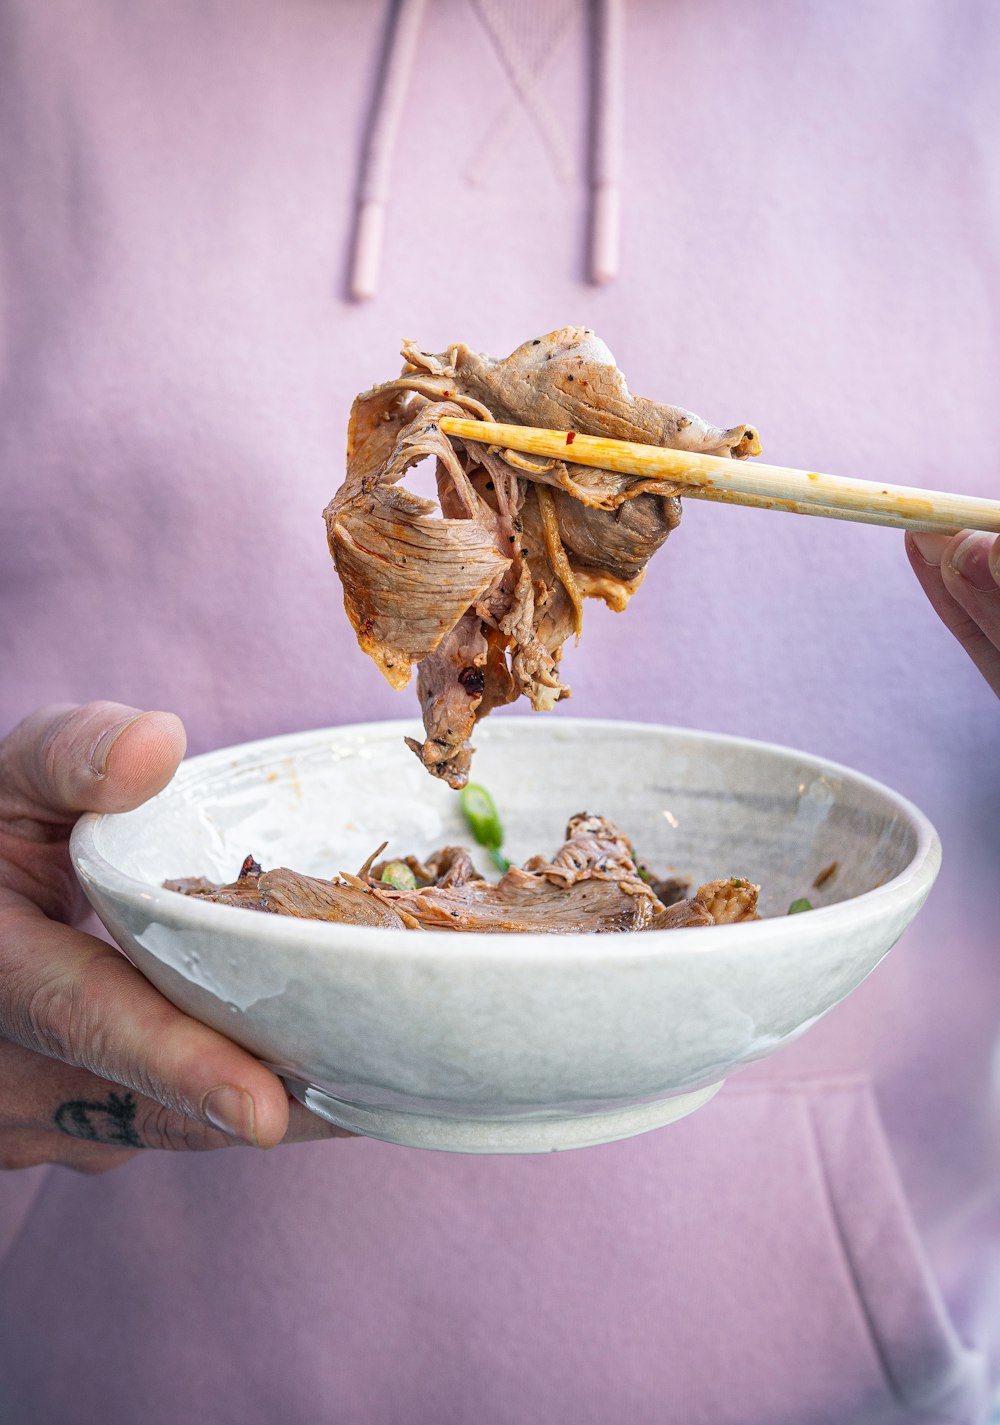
<point>373,188</point>
<point>607,100</point>
<point>606,139</point>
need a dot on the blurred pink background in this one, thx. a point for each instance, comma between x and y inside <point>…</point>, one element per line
<point>810,240</point>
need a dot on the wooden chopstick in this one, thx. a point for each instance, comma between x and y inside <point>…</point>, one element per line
<point>713,477</point>
<point>794,507</point>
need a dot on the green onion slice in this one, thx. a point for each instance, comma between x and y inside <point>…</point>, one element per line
<point>482,816</point>
<point>399,876</point>
<point>800,905</point>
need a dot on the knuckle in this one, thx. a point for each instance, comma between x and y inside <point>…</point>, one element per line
<point>45,1017</point>
<point>56,1014</point>
<point>69,1015</point>
<point>971,636</point>
<point>162,1127</point>
<point>52,746</point>
<point>68,728</point>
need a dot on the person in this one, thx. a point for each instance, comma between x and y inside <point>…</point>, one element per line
<point>960,574</point>
<point>178,357</point>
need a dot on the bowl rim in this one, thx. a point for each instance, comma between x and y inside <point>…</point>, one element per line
<point>163,906</point>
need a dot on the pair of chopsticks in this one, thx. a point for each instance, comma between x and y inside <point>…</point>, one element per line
<point>736,482</point>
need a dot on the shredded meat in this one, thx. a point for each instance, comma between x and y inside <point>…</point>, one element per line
<point>451,866</point>
<point>482,597</point>
<point>716,903</point>
<point>591,885</point>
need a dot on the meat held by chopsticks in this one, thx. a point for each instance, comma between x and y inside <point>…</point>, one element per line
<point>481,597</point>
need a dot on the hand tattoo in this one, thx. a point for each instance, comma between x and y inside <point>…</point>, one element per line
<point>107,1122</point>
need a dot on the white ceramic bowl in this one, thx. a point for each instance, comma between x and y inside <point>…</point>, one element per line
<point>511,1043</point>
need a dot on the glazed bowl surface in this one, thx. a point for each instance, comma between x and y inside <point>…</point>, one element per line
<point>511,1043</point>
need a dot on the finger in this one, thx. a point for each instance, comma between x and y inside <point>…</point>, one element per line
<point>39,1095</point>
<point>43,1095</point>
<point>26,1148</point>
<point>102,756</point>
<point>960,574</point>
<point>38,1147</point>
<point>73,997</point>
<point>67,1115</point>
<point>59,761</point>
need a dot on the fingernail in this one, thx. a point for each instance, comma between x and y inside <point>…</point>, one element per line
<point>102,747</point>
<point>972,560</point>
<point>231,1111</point>
<point>930,547</point>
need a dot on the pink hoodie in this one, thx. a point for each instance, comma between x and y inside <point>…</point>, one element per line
<point>809,236</point>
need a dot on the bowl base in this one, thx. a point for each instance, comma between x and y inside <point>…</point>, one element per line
<point>498,1135</point>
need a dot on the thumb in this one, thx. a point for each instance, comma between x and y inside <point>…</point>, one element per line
<point>102,756</point>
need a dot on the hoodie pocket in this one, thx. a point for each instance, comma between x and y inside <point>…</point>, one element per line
<point>928,1373</point>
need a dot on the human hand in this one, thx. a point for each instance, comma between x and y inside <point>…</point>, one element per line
<point>94,1062</point>
<point>960,574</point>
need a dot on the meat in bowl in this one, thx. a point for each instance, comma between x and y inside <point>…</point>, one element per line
<point>592,884</point>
